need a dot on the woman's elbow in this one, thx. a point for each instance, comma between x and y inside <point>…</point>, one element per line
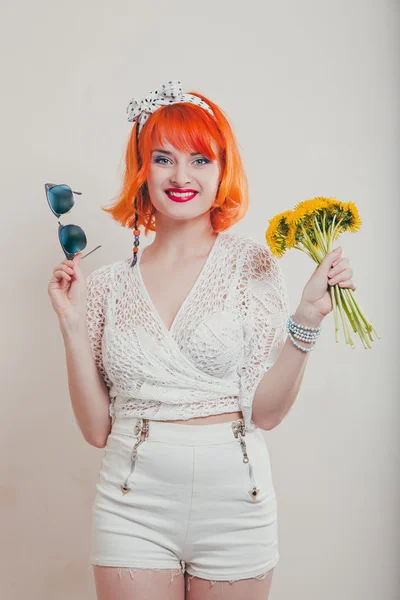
<point>97,443</point>
<point>267,424</point>
<point>97,439</point>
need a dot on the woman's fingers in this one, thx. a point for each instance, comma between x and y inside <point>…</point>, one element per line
<point>339,267</point>
<point>65,268</point>
<point>342,276</point>
<point>348,284</point>
<point>62,275</point>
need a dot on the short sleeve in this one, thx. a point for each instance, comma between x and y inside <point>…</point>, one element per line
<point>97,291</point>
<point>266,319</point>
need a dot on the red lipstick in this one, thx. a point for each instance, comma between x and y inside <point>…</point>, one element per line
<point>184,194</point>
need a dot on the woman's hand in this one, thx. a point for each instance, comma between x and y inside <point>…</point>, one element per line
<point>67,290</point>
<point>332,270</point>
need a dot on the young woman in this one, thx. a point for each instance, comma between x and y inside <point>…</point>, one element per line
<point>177,360</point>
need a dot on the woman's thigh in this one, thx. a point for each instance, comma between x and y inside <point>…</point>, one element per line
<point>114,583</point>
<point>251,589</point>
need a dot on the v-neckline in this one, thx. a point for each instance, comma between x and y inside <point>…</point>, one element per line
<point>169,331</point>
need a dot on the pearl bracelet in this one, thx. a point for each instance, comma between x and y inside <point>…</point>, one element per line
<point>302,332</point>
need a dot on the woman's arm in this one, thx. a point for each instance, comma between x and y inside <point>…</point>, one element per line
<point>279,387</point>
<point>88,380</point>
<point>88,391</point>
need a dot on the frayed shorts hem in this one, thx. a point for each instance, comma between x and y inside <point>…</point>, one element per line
<point>260,572</point>
<point>128,565</point>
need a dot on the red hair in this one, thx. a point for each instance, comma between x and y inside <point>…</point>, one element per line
<point>189,128</point>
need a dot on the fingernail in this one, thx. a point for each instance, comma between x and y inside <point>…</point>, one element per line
<point>337,249</point>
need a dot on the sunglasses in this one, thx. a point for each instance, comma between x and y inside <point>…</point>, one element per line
<point>72,238</point>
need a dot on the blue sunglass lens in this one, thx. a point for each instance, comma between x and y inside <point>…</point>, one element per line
<point>61,199</point>
<point>73,239</point>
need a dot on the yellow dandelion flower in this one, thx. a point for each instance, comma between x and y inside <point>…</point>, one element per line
<point>276,234</point>
<point>355,221</point>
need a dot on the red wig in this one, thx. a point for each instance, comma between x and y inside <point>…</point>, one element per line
<point>189,128</point>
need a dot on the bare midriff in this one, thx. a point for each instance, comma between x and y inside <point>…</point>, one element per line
<point>209,419</point>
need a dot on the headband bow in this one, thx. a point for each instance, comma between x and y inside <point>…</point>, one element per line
<point>169,93</point>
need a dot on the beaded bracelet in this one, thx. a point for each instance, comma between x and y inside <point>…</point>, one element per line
<point>302,332</point>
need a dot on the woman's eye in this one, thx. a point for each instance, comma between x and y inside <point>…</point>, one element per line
<point>161,158</point>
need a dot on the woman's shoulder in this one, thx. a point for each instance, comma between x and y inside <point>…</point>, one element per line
<point>107,273</point>
<point>252,249</point>
<point>260,269</point>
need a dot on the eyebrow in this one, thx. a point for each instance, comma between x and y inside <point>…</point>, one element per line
<point>170,153</point>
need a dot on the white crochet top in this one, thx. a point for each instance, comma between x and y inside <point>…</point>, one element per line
<point>226,335</point>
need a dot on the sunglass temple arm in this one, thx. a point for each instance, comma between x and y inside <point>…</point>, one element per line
<point>90,252</point>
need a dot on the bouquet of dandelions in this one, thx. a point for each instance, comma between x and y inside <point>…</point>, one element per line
<point>312,226</point>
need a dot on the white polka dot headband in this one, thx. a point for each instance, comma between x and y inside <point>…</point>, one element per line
<point>168,94</point>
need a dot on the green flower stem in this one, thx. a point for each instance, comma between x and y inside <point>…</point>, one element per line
<point>349,309</point>
<point>345,309</point>
<point>303,250</point>
<point>324,224</point>
<point>352,302</point>
<point>355,302</point>
<point>330,234</point>
<point>366,319</point>
<point>310,246</point>
<point>344,322</point>
<point>361,328</point>
<point>358,325</point>
<point>340,313</point>
<point>320,237</point>
<point>354,314</point>
<point>335,312</point>
<point>334,230</point>
<point>354,306</point>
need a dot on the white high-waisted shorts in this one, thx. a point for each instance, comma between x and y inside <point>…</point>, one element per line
<point>198,498</point>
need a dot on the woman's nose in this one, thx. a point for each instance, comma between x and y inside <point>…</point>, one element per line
<point>180,176</point>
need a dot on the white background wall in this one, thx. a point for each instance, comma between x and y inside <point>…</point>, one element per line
<point>312,90</point>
